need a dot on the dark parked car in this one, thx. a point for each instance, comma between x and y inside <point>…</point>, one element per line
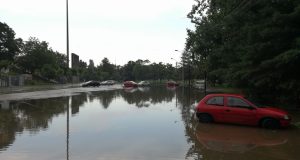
<point>231,108</point>
<point>90,84</point>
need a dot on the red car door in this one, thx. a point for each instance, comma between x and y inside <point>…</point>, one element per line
<point>239,111</point>
<point>215,107</point>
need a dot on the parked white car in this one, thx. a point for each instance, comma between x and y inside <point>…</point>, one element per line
<point>199,84</point>
<point>108,82</point>
<point>143,83</point>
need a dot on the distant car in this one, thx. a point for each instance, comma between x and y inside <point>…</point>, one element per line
<point>231,108</point>
<point>199,84</point>
<point>129,84</point>
<point>143,83</point>
<point>108,82</point>
<point>172,84</point>
<point>90,84</point>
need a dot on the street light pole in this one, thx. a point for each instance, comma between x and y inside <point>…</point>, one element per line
<point>176,80</point>
<point>189,71</point>
<point>182,72</point>
<point>189,67</point>
<point>68,105</point>
<point>182,67</point>
<point>205,77</point>
<point>175,66</point>
<point>67,14</point>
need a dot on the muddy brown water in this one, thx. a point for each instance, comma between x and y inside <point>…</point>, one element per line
<point>141,123</point>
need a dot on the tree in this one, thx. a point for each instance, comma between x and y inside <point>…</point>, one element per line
<point>127,71</point>
<point>91,64</point>
<point>9,46</point>
<point>106,66</point>
<point>35,55</point>
<point>49,71</point>
<point>249,44</point>
<point>37,58</point>
<point>141,70</point>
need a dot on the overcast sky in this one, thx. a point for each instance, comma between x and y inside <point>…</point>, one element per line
<point>120,30</point>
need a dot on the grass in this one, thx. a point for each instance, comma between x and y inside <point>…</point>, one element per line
<point>297,124</point>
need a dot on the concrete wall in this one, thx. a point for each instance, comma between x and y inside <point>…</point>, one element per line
<point>75,79</point>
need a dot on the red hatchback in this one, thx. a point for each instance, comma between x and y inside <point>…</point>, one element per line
<point>230,108</point>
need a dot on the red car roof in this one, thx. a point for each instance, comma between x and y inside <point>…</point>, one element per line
<point>226,94</point>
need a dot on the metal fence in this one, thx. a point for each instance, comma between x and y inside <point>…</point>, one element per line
<point>4,81</point>
<point>7,81</point>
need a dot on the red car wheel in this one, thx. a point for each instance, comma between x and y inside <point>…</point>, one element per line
<point>204,117</point>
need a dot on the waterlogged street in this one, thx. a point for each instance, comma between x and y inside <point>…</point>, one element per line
<point>142,123</point>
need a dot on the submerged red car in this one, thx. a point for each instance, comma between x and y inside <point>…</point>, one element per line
<point>130,84</point>
<point>231,108</point>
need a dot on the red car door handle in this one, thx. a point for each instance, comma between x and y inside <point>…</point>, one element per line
<point>227,110</point>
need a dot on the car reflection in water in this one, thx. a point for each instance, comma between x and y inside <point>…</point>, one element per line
<point>134,89</point>
<point>226,138</point>
<point>171,88</point>
<point>144,89</point>
<point>130,89</point>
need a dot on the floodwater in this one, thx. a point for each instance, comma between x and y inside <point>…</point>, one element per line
<point>143,123</point>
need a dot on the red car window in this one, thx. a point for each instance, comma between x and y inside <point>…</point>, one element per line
<point>237,102</point>
<point>219,101</point>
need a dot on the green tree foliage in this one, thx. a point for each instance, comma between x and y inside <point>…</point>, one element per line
<point>38,58</point>
<point>143,70</point>
<point>9,46</point>
<point>106,69</point>
<point>253,44</point>
<point>127,71</point>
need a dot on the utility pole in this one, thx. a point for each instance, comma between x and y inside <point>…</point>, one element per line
<point>205,76</point>
<point>67,8</point>
<point>68,128</point>
<point>68,61</point>
<point>189,72</point>
<point>182,66</point>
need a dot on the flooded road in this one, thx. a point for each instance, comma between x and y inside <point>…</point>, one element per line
<point>142,123</point>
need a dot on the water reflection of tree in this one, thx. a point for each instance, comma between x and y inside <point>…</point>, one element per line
<point>105,97</point>
<point>9,125</point>
<point>195,147</point>
<point>153,95</point>
<point>33,116</point>
<point>186,98</point>
<point>76,102</point>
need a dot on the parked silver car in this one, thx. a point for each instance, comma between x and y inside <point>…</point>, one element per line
<point>144,83</point>
<point>108,82</point>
